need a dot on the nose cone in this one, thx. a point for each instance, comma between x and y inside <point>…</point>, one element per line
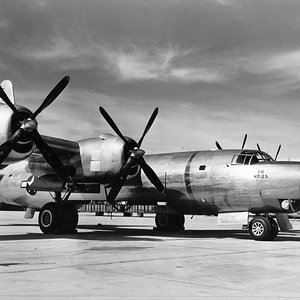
<point>29,125</point>
<point>137,152</point>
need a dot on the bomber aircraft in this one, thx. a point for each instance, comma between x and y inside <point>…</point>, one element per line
<point>44,173</point>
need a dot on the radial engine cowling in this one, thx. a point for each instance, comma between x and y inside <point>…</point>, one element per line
<point>9,123</point>
<point>102,158</point>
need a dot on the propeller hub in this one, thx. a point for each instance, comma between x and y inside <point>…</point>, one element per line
<point>136,153</point>
<point>29,125</point>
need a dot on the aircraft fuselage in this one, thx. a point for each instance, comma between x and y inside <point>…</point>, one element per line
<point>197,182</point>
<point>210,182</point>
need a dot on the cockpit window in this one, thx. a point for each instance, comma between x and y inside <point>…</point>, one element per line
<point>247,157</point>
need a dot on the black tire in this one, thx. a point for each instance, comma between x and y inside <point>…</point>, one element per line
<point>49,218</point>
<point>260,229</point>
<point>70,217</point>
<point>162,221</point>
<point>176,222</point>
<point>181,221</point>
<point>274,228</point>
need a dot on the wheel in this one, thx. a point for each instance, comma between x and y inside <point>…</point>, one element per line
<point>70,217</point>
<point>162,221</point>
<point>173,222</point>
<point>261,229</point>
<point>176,222</point>
<point>181,221</point>
<point>274,228</point>
<point>49,218</point>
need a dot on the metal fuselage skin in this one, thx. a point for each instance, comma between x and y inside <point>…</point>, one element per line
<point>197,182</point>
<point>207,182</point>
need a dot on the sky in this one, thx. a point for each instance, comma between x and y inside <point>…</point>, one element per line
<point>216,69</point>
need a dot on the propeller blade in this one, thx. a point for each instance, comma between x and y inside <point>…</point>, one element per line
<point>50,156</point>
<point>6,147</point>
<point>151,175</point>
<point>278,150</point>
<point>218,146</point>
<point>258,147</point>
<point>114,191</point>
<point>121,178</point>
<point>5,98</point>
<point>52,95</point>
<point>244,142</point>
<point>135,157</point>
<point>112,124</point>
<point>150,122</point>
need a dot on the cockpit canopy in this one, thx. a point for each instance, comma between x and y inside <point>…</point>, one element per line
<point>251,157</point>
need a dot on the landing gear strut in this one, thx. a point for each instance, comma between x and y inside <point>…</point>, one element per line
<point>59,216</point>
<point>263,228</point>
<point>169,222</point>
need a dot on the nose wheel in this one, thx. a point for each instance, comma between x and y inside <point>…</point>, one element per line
<point>263,228</point>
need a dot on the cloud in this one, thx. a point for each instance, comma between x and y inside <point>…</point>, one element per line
<point>140,64</point>
<point>160,65</point>
<point>133,64</point>
<point>279,70</point>
<point>223,2</point>
<point>57,48</point>
<point>287,63</point>
<point>39,4</point>
<point>4,24</point>
<point>197,75</point>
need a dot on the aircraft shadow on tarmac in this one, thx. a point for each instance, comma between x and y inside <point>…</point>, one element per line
<point>144,233</point>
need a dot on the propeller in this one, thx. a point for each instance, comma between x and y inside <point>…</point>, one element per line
<point>29,126</point>
<point>278,150</point>
<point>277,153</point>
<point>218,146</point>
<point>244,142</point>
<point>136,157</point>
<point>243,145</point>
<point>258,147</point>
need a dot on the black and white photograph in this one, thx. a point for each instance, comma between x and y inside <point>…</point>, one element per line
<point>149,149</point>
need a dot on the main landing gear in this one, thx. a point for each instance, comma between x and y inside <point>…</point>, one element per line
<point>263,228</point>
<point>169,222</point>
<point>58,217</point>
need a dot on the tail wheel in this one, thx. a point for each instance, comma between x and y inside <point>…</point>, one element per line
<point>261,229</point>
<point>49,218</point>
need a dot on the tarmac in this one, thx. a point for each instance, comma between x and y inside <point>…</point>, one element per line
<point>124,258</point>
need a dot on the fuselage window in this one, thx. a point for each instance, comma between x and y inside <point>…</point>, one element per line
<point>202,167</point>
<point>254,160</point>
<point>238,159</point>
<point>241,159</point>
<point>246,162</point>
<point>250,157</point>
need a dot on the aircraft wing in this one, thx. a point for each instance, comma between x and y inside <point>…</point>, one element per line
<point>67,151</point>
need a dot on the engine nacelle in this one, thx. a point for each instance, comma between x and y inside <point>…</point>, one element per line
<point>102,158</point>
<point>9,123</point>
<point>290,206</point>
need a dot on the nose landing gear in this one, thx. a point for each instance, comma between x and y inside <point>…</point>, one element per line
<point>263,228</point>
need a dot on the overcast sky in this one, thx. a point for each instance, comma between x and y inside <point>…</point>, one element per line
<point>216,69</point>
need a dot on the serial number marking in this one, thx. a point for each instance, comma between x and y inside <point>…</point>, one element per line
<point>261,175</point>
